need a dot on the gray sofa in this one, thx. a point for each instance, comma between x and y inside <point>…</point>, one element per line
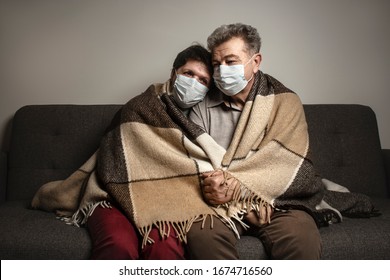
<point>50,141</point>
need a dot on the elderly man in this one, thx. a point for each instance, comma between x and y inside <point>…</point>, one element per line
<point>254,111</point>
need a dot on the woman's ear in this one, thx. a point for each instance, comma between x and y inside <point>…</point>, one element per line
<point>172,79</point>
<point>173,75</point>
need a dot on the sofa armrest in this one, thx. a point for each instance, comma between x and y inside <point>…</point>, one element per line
<point>386,158</point>
<point>3,176</point>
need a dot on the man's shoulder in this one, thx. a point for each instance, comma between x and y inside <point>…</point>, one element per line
<point>278,87</point>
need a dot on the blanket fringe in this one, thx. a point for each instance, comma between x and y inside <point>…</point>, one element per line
<point>244,201</point>
<point>180,229</point>
<point>81,216</point>
<point>253,201</point>
<point>234,214</point>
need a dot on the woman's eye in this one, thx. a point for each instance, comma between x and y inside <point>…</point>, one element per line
<point>188,73</point>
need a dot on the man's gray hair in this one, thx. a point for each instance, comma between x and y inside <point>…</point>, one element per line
<point>228,31</point>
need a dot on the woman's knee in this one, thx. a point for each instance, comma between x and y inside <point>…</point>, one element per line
<point>112,234</point>
<point>166,246</point>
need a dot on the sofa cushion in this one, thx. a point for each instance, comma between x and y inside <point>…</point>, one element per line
<point>364,238</point>
<point>49,142</point>
<point>3,176</point>
<point>251,248</point>
<point>346,147</point>
<point>32,234</point>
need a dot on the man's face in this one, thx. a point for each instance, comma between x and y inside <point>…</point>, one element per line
<point>233,52</point>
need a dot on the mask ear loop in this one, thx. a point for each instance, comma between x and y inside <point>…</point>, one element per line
<point>175,71</point>
<point>248,63</point>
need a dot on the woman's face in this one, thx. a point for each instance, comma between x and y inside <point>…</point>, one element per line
<point>196,69</point>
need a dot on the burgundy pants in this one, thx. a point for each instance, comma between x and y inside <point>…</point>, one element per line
<point>115,238</point>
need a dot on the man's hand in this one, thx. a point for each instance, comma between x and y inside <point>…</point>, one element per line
<point>218,187</point>
<point>260,218</point>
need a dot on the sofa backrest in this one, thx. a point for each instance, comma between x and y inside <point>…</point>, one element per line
<point>49,142</point>
<point>346,147</point>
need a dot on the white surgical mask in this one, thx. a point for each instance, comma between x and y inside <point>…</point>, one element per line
<point>187,91</point>
<point>230,79</point>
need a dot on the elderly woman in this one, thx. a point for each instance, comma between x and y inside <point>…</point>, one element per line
<point>114,235</point>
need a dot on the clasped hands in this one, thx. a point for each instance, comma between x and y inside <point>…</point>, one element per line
<point>218,188</point>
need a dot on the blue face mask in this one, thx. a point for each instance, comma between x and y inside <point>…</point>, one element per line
<point>187,91</point>
<point>230,79</point>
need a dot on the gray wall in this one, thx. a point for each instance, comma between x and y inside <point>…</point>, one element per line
<point>96,52</point>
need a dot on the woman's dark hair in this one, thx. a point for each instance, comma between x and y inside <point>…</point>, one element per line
<point>194,52</point>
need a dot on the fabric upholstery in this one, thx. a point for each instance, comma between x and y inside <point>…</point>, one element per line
<point>30,234</point>
<point>50,142</point>
<point>345,143</point>
<point>359,238</point>
<point>386,158</point>
<point>3,175</point>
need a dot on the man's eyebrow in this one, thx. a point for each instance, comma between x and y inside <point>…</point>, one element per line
<point>227,57</point>
<point>231,56</point>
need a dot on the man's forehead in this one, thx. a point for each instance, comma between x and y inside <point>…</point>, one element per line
<point>232,48</point>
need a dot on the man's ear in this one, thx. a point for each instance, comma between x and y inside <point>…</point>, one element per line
<point>257,59</point>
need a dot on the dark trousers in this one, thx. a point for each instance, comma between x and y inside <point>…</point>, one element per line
<point>290,235</point>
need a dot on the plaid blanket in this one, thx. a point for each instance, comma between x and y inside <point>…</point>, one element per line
<point>150,160</point>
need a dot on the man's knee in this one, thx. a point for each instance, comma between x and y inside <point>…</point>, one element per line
<point>201,231</point>
<point>297,237</point>
<point>211,240</point>
<point>306,231</point>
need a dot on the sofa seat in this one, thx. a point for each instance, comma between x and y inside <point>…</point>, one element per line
<point>45,237</point>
